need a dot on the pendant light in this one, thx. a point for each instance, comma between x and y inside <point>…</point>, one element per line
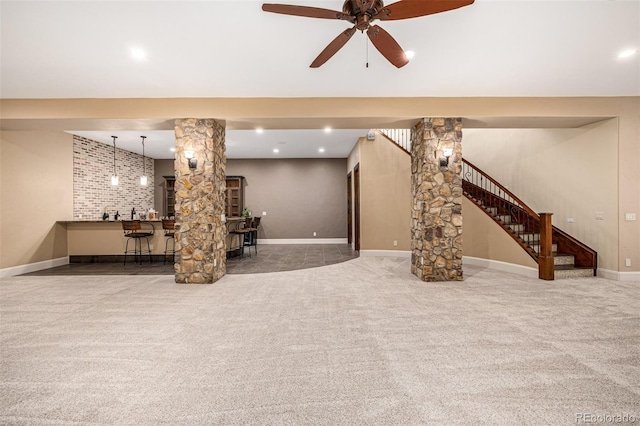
<point>114,177</point>
<point>143,178</point>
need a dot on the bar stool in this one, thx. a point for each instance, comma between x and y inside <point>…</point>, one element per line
<point>133,231</point>
<point>245,236</point>
<point>254,234</point>
<point>169,226</point>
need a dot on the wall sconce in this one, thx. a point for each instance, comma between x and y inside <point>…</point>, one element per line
<point>193,162</point>
<point>444,160</point>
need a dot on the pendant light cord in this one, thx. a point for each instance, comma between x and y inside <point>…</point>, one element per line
<point>143,165</point>
<point>114,155</point>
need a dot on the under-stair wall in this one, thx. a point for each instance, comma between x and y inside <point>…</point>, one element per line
<point>485,239</point>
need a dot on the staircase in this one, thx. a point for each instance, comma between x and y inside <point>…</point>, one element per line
<point>558,254</point>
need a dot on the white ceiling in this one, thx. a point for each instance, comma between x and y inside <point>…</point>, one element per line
<point>301,143</point>
<point>81,49</point>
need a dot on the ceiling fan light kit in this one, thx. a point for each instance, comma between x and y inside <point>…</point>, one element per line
<point>361,13</point>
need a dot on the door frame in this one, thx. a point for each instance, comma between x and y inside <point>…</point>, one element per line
<point>356,206</point>
<point>349,208</point>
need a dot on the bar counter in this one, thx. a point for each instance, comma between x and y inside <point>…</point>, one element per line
<point>106,237</point>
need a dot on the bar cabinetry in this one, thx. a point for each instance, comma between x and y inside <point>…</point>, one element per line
<point>234,196</point>
<point>169,196</point>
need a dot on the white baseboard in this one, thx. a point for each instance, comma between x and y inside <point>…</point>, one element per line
<point>303,241</point>
<point>500,266</point>
<point>619,276</point>
<point>386,253</point>
<point>33,267</point>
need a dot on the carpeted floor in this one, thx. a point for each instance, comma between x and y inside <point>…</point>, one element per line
<point>359,342</point>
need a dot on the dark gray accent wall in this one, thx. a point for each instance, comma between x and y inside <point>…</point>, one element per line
<point>300,196</point>
<point>162,168</point>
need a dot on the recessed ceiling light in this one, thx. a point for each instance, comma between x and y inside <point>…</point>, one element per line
<point>276,150</point>
<point>410,54</point>
<point>627,53</point>
<point>327,129</point>
<point>321,150</point>
<point>259,130</point>
<point>172,149</point>
<point>138,54</point>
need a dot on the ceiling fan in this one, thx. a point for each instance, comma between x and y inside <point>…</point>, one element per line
<point>361,13</point>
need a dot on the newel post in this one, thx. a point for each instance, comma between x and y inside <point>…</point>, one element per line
<point>545,258</point>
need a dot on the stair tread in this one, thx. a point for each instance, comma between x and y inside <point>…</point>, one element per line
<point>570,267</point>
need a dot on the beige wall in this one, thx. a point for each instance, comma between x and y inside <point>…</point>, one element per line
<point>385,193</point>
<point>36,190</point>
<point>300,196</point>
<point>571,173</point>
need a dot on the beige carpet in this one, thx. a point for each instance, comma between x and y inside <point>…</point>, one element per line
<point>361,342</point>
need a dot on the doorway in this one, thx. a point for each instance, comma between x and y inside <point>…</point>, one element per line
<point>349,209</point>
<point>356,206</point>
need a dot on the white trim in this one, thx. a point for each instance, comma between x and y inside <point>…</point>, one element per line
<point>303,241</point>
<point>386,253</point>
<point>619,276</point>
<point>501,266</point>
<point>33,267</point>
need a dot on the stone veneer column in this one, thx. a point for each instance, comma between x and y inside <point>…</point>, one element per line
<point>436,216</point>
<point>200,201</point>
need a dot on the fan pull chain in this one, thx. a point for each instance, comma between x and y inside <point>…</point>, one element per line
<point>366,41</point>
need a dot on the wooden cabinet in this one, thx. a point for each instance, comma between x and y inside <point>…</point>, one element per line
<point>235,195</point>
<point>169,195</point>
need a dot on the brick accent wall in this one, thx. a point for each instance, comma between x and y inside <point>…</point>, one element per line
<point>92,189</point>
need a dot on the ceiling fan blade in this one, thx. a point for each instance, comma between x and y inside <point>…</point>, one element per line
<point>333,47</point>
<point>386,44</point>
<point>414,8</point>
<point>309,12</point>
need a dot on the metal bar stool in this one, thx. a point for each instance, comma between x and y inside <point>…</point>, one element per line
<point>253,237</point>
<point>169,226</point>
<point>133,231</point>
<point>245,236</point>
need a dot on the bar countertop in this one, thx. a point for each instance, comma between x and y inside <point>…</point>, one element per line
<point>66,222</point>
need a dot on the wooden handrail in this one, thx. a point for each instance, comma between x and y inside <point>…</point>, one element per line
<point>506,191</point>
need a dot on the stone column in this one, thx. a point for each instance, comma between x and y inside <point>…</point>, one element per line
<point>200,201</point>
<point>436,189</point>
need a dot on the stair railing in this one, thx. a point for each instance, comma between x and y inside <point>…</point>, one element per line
<point>509,209</point>
<point>534,232</point>
<point>401,137</point>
